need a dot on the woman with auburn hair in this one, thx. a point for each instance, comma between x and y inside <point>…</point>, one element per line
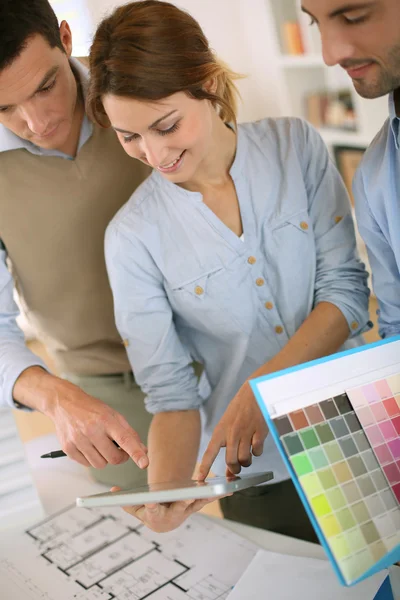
<point>238,252</point>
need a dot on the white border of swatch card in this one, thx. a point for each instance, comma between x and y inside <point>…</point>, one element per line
<point>19,500</point>
<point>302,386</point>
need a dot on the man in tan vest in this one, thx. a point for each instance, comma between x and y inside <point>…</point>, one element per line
<point>62,179</point>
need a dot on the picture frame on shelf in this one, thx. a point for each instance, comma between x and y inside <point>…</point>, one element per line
<point>347,159</point>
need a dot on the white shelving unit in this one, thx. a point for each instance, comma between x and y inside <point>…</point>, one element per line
<point>306,73</point>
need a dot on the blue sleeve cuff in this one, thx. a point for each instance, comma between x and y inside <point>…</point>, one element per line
<point>9,373</point>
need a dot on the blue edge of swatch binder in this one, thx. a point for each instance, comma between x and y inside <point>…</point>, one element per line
<point>385,592</point>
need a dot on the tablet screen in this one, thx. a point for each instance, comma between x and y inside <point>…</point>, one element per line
<point>175,490</point>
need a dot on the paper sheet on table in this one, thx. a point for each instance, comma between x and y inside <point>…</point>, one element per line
<point>279,576</point>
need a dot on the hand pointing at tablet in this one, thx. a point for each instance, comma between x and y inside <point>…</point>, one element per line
<point>242,431</point>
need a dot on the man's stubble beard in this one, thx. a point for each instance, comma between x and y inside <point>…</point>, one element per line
<point>388,81</point>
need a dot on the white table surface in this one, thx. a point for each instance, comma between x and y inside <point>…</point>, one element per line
<point>60,481</point>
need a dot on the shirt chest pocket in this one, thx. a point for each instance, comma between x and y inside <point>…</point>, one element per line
<point>290,250</point>
<point>214,301</point>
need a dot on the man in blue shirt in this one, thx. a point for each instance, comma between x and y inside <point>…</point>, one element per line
<point>363,37</point>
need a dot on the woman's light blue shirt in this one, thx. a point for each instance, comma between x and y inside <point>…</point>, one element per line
<point>187,288</point>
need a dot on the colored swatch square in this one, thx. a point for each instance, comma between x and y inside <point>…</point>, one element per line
<point>342,472</point>
<point>370,393</point>
<point>392,473</point>
<point>311,485</point>
<point>365,416</point>
<point>343,404</point>
<point>370,461</point>
<point>361,441</point>
<point>298,419</point>
<point>329,409</point>
<point>357,398</point>
<point>352,422</point>
<point>318,458</point>
<point>327,478</point>
<point>383,389</point>
<point>330,526</point>
<point>379,480</point>
<point>357,466</point>
<point>375,505</point>
<point>366,485</point>
<point>339,546</point>
<point>391,407</point>
<point>378,550</point>
<point>283,425</point>
<point>301,464</point>
<point>292,444</point>
<point>370,532</point>
<point>324,432</point>
<point>351,492</point>
<point>394,383</point>
<point>395,515</point>
<point>314,414</point>
<point>339,427</point>
<point>394,447</point>
<point>355,540</point>
<point>309,438</point>
<point>384,525</point>
<point>396,424</point>
<point>379,412</point>
<point>396,491</point>
<point>320,506</point>
<point>348,446</point>
<point>336,498</point>
<point>360,512</point>
<point>333,452</point>
<point>374,435</point>
<point>345,519</point>
<point>383,454</point>
<point>388,499</point>
<point>388,431</point>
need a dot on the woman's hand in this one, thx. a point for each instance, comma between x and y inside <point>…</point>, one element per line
<point>165,517</point>
<point>242,431</point>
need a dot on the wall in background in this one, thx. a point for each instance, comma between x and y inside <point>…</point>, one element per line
<point>243,38</point>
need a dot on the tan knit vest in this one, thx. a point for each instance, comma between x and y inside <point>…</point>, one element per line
<point>53,215</point>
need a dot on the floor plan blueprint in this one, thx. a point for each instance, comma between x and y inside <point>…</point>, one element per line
<point>105,554</point>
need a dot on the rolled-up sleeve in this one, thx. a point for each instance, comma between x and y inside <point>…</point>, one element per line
<point>385,273</point>
<point>144,318</point>
<point>15,357</point>
<point>341,278</point>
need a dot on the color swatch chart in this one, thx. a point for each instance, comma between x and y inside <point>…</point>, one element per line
<point>347,489</point>
<point>377,406</point>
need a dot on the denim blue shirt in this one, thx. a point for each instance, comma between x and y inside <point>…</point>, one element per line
<point>186,287</point>
<point>15,357</point>
<point>377,195</point>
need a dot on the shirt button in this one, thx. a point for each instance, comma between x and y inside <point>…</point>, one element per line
<point>198,290</point>
<point>338,219</point>
<point>252,260</point>
<point>355,325</point>
<point>304,225</point>
<point>278,329</point>
<point>260,281</point>
<point>269,305</point>
<point>125,343</point>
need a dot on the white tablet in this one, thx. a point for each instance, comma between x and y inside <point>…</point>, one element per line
<point>175,490</point>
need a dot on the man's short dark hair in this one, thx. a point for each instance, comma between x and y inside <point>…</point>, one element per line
<point>22,19</point>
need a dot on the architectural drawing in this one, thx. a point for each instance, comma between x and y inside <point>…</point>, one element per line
<point>105,554</point>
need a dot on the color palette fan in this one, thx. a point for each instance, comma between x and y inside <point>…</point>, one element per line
<point>337,424</point>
